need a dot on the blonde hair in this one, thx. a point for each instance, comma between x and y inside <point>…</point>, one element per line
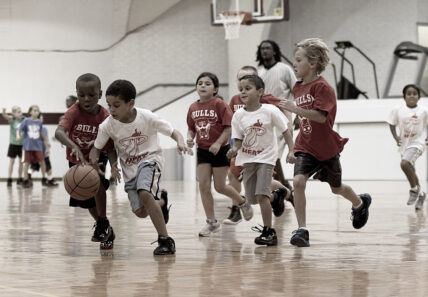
<point>15,108</point>
<point>316,50</point>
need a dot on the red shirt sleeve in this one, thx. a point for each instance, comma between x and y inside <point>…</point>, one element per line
<point>68,119</point>
<point>325,99</point>
<point>190,121</point>
<point>270,99</point>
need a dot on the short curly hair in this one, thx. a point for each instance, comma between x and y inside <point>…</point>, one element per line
<point>316,50</point>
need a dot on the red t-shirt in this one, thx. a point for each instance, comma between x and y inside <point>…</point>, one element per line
<point>319,140</point>
<point>208,120</point>
<point>82,128</point>
<point>236,102</point>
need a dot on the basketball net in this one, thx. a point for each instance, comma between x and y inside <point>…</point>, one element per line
<point>232,22</point>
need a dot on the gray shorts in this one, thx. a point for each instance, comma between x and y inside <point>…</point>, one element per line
<point>411,155</point>
<point>257,178</point>
<point>148,179</point>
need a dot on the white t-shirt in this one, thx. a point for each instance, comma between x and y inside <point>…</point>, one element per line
<point>411,124</point>
<point>135,142</point>
<point>279,80</point>
<point>256,130</point>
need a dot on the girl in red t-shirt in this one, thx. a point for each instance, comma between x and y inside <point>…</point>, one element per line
<point>209,119</point>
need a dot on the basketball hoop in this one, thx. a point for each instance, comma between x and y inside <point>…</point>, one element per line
<point>232,22</point>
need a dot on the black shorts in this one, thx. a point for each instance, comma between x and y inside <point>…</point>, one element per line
<point>14,151</point>
<point>329,171</point>
<point>36,166</point>
<point>219,160</point>
<point>90,203</point>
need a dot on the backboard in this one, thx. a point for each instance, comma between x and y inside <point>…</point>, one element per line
<point>262,11</point>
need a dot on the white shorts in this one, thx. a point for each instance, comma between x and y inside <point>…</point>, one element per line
<point>411,155</point>
<point>148,179</point>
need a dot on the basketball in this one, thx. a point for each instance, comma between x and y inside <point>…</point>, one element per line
<point>82,182</point>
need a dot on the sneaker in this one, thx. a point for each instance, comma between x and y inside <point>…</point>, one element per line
<point>26,184</point>
<point>300,238</point>
<point>247,210</point>
<point>234,217</point>
<point>166,246</point>
<point>267,236</point>
<point>44,182</point>
<point>165,208</point>
<point>421,199</point>
<point>19,182</point>
<point>210,227</point>
<point>360,215</point>
<point>109,243</point>
<point>278,201</point>
<point>413,195</point>
<point>9,182</point>
<point>52,183</point>
<point>102,230</point>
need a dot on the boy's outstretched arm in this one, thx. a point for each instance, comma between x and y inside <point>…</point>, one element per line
<point>232,152</point>
<point>61,135</point>
<point>182,148</point>
<point>190,137</point>
<point>394,134</point>
<point>311,114</point>
<point>5,115</point>
<point>290,143</point>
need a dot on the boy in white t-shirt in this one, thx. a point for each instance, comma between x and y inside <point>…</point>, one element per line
<point>134,132</point>
<point>255,144</point>
<point>411,120</point>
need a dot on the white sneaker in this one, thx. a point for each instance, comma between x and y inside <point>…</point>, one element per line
<point>421,199</point>
<point>247,210</point>
<point>413,195</point>
<point>210,227</point>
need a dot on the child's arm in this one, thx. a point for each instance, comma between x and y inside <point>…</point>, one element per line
<point>290,143</point>
<point>61,135</point>
<point>215,147</point>
<point>112,158</point>
<point>182,148</point>
<point>311,114</point>
<point>190,137</point>
<point>237,143</point>
<point>47,144</point>
<point>394,134</point>
<point>289,117</point>
<point>5,115</point>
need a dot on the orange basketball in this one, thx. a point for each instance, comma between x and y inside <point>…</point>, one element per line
<point>82,182</point>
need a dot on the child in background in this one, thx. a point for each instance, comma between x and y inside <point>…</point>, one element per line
<point>209,119</point>
<point>253,131</point>
<point>77,131</point>
<point>318,146</point>
<point>33,143</point>
<point>411,120</point>
<point>134,132</point>
<point>15,146</point>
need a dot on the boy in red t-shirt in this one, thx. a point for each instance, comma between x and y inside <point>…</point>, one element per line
<point>318,146</point>
<point>78,130</point>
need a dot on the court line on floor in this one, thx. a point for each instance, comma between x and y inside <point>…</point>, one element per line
<point>26,291</point>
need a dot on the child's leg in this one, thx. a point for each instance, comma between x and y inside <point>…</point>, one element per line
<point>204,177</point>
<point>94,213</point>
<point>348,193</point>
<point>26,166</point>
<point>219,176</point>
<point>299,183</point>
<point>265,209</point>
<point>11,162</point>
<point>20,167</point>
<point>43,168</point>
<point>234,182</point>
<point>410,172</point>
<point>154,211</point>
<point>100,202</point>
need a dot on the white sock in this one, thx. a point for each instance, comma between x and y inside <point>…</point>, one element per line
<point>415,189</point>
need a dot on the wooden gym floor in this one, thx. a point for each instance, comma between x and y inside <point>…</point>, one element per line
<point>45,248</point>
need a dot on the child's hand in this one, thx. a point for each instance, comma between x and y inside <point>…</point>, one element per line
<point>79,155</point>
<point>184,149</point>
<point>290,158</point>
<point>214,148</point>
<point>286,104</point>
<point>399,142</point>
<point>115,172</point>
<point>190,142</point>
<point>231,153</point>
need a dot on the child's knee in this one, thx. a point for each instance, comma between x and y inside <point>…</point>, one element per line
<point>141,212</point>
<point>405,164</point>
<point>262,198</point>
<point>337,190</point>
<point>299,182</point>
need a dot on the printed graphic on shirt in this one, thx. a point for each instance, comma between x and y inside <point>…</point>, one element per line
<point>33,131</point>
<point>132,145</point>
<point>237,106</point>
<point>306,102</point>
<point>409,126</point>
<point>204,120</point>
<point>251,133</point>
<point>84,136</point>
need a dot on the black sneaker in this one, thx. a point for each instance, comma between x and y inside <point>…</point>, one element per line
<point>102,230</point>
<point>300,238</point>
<point>278,201</point>
<point>19,182</point>
<point>360,215</point>
<point>234,216</point>
<point>26,184</point>
<point>165,208</point>
<point>166,246</point>
<point>268,236</point>
<point>44,182</point>
<point>108,244</point>
<point>52,183</point>
<point>9,182</point>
